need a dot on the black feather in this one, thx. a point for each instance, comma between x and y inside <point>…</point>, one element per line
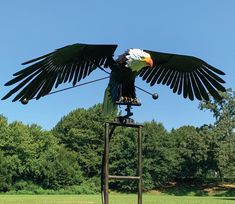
<point>69,63</point>
<point>185,74</point>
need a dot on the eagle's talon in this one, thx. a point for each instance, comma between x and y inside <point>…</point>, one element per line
<point>126,99</point>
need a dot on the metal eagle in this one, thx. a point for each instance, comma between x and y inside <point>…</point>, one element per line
<point>186,75</point>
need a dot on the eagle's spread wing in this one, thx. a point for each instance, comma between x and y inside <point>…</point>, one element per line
<point>184,74</point>
<point>67,64</point>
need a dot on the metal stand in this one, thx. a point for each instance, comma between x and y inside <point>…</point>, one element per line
<point>124,121</point>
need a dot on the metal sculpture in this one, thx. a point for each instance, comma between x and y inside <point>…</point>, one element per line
<point>186,75</point>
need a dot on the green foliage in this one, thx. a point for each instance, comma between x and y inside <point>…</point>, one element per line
<point>123,157</point>
<point>83,131</point>
<point>5,174</point>
<point>192,152</point>
<point>159,153</point>
<point>221,135</point>
<point>30,156</point>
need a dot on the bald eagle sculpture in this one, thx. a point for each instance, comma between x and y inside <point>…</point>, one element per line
<point>186,75</point>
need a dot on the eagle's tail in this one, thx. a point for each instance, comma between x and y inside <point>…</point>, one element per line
<point>109,105</point>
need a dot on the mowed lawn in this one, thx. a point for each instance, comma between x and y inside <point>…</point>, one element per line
<point>114,199</point>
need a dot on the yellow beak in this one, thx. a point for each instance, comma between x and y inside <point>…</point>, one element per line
<point>149,61</point>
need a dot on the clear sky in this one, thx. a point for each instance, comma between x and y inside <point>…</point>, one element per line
<point>202,28</point>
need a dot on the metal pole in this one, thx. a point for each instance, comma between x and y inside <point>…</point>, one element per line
<point>106,165</point>
<point>140,165</point>
<point>107,177</point>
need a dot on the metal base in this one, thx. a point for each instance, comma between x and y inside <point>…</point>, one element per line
<point>124,120</point>
<point>109,129</point>
<point>121,119</point>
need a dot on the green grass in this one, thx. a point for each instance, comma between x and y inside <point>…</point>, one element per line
<point>113,199</point>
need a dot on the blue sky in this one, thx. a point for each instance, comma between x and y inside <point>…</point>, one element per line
<point>32,28</point>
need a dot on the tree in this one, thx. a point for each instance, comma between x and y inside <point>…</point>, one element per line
<point>5,174</point>
<point>224,113</point>
<point>222,143</point>
<point>30,155</point>
<point>82,131</point>
<point>192,152</point>
<point>160,162</point>
<point>59,168</point>
<point>123,158</point>
<point>9,162</point>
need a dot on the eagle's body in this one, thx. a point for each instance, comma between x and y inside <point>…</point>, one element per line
<point>123,73</point>
<point>121,87</point>
<point>186,75</point>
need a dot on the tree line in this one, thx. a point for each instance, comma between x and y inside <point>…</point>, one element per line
<point>69,156</point>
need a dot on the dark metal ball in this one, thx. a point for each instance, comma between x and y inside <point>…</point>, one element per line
<point>24,101</point>
<point>155,96</point>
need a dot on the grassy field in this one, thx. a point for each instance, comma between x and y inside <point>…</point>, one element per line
<point>114,199</point>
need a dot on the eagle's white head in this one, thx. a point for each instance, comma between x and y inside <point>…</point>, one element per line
<point>137,59</point>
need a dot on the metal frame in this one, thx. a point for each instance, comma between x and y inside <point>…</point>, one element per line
<point>109,129</point>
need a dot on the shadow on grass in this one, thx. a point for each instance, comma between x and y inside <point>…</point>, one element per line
<point>227,193</point>
<point>197,189</point>
<point>184,191</point>
<point>232,199</point>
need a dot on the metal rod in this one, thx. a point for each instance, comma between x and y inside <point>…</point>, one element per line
<point>143,90</point>
<point>140,164</point>
<point>106,165</point>
<point>71,87</point>
<point>124,177</point>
